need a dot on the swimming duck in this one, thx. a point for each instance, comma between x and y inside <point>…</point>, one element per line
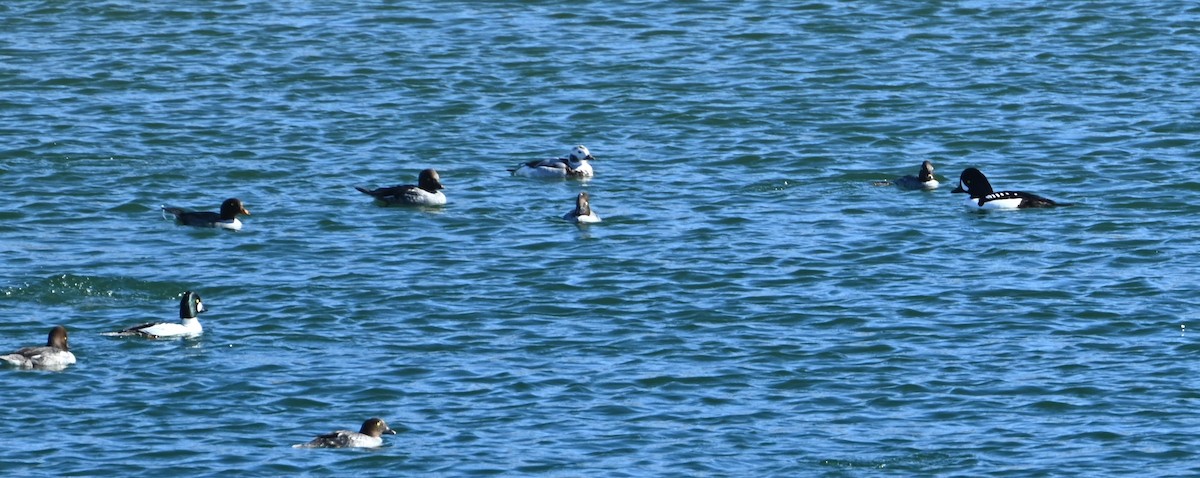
<point>575,165</point>
<point>55,355</point>
<point>369,436</point>
<point>427,192</point>
<point>226,219</point>
<point>975,184</point>
<point>188,326</point>
<point>583,213</point>
<point>923,180</point>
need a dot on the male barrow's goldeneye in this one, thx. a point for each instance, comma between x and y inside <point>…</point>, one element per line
<point>583,213</point>
<point>189,326</point>
<point>427,192</point>
<point>924,179</point>
<point>369,436</point>
<point>974,183</point>
<point>575,165</point>
<point>226,219</point>
<point>56,355</point>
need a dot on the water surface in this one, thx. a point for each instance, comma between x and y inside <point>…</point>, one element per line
<point>751,305</point>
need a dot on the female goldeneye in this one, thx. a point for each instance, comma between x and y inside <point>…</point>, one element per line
<point>56,355</point>
<point>189,326</point>
<point>583,213</point>
<point>575,165</point>
<point>369,436</point>
<point>226,219</point>
<point>427,192</point>
<point>923,180</point>
<point>974,183</point>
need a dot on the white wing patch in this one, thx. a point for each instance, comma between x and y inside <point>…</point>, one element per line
<point>1001,200</point>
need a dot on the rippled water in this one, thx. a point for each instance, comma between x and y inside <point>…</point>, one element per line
<point>751,305</point>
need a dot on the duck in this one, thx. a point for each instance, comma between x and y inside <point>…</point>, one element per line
<point>370,435</point>
<point>427,192</point>
<point>583,213</point>
<point>190,305</point>
<point>55,355</point>
<point>226,219</point>
<point>923,180</point>
<point>575,165</point>
<point>982,197</point>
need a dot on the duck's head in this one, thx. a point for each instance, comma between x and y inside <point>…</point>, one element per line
<point>231,208</point>
<point>429,181</point>
<point>583,206</point>
<point>375,427</point>
<point>973,182</point>
<point>581,153</point>
<point>190,305</point>
<point>58,338</point>
<point>926,173</point>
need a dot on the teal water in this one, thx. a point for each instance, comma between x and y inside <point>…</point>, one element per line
<point>751,305</point>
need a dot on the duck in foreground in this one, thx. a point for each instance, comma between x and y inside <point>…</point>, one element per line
<point>226,219</point>
<point>583,213</point>
<point>575,165</point>
<point>974,183</point>
<point>369,436</point>
<point>188,326</point>
<point>56,355</point>
<point>427,192</point>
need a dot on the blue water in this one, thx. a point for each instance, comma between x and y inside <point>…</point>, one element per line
<point>752,304</point>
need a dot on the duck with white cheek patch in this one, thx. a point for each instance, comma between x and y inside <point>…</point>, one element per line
<point>188,326</point>
<point>575,165</point>
<point>973,183</point>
